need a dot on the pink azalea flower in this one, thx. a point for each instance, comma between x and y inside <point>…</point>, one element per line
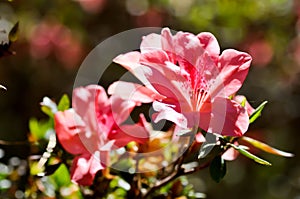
<point>195,79</point>
<point>93,128</point>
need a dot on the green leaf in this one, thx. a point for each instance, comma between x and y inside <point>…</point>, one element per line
<point>38,129</point>
<point>47,111</point>
<point>49,169</point>
<point>262,146</point>
<point>217,168</point>
<point>246,153</point>
<point>208,145</point>
<point>61,176</point>
<point>35,169</point>
<point>257,112</point>
<point>64,103</point>
<point>60,180</point>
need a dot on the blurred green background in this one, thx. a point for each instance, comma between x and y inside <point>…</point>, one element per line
<point>56,35</point>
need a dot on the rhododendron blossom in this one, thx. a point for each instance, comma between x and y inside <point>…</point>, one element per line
<point>93,128</point>
<point>197,82</point>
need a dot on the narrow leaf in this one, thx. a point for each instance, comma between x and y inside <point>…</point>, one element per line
<point>50,169</point>
<point>60,175</point>
<point>217,168</point>
<point>208,145</point>
<point>47,111</point>
<point>13,33</point>
<point>39,128</point>
<point>266,148</point>
<point>257,112</point>
<point>64,103</point>
<point>250,155</point>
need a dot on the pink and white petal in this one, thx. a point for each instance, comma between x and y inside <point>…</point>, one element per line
<point>167,112</point>
<point>210,44</point>
<point>233,66</point>
<point>200,138</point>
<point>84,169</point>
<point>205,75</point>
<point>166,39</point>
<point>147,125</point>
<point>157,57</point>
<point>168,81</point>
<point>131,62</point>
<point>151,42</point>
<point>120,109</point>
<point>133,92</point>
<point>230,155</point>
<point>157,42</point>
<point>167,44</point>
<point>156,76</point>
<point>187,47</point>
<point>224,117</point>
<point>68,127</point>
<point>86,102</point>
<point>239,99</point>
<point>124,134</point>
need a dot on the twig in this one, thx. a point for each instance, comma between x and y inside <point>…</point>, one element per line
<point>176,173</point>
<point>173,176</point>
<point>4,142</point>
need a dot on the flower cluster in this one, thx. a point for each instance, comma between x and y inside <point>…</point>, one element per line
<point>189,83</point>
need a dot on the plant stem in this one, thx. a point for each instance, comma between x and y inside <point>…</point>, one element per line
<point>179,172</point>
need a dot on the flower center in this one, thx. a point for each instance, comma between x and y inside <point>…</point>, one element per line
<point>198,98</point>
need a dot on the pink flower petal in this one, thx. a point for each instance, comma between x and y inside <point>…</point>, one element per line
<point>133,92</point>
<point>68,127</point>
<point>130,61</point>
<point>167,79</point>
<point>209,43</point>
<point>154,74</point>
<point>187,47</point>
<point>233,66</point>
<point>165,111</point>
<point>120,109</point>
<point>158,42</point>
<point>230,155</point>
<point>84,169</point>
<point>200,138</point>
<point>86,102</point>
<point>151,42</point>
<point>166,40</point>
<point>225,117</point>
<point>128,133</point>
